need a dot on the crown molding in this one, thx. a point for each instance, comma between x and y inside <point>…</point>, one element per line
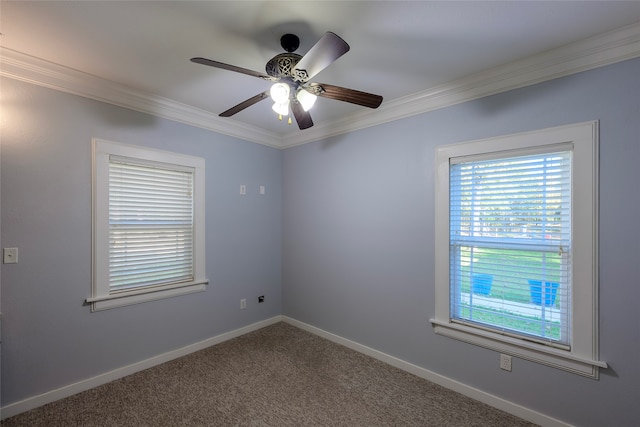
<point>19,66</point>
<point>594,52</point>
<point>598,51</point>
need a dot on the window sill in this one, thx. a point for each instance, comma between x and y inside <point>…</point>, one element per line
<point>560,359</point>
<point>104,302</point>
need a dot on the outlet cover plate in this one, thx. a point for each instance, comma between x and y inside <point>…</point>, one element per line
<point>505,362</point>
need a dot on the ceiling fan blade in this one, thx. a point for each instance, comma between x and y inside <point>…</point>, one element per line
<point>302,117</point>
<point>329,48</point>
<point>244,104</point>
<point>347,95</point>
<point>216,64</point>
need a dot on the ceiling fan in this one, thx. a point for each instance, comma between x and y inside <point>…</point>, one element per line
<point>291,74</point>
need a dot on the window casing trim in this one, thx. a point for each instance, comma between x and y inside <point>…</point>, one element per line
<point>582,358</point>
<point>524,349</point>
<point>102,151</point>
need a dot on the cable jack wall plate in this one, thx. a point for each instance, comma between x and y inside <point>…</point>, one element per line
<point>10,255</point>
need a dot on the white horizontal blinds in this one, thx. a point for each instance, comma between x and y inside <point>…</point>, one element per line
<point>510,245</point>
<point>151,223</point>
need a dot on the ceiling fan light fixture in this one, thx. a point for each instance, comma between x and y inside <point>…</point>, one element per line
<point>280,93</point>
<point>290,72</point>
<point>306,99</point>
<point>281,108</point>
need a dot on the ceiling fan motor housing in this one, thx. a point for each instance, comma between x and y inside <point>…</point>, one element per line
<point>290,42</point>
<point>282,65</point>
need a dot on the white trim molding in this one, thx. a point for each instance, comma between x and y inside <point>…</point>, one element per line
<point>581,357</point>
<point>594,52</point>
<point>474,393</point>
<point>37,71</point>
<point>598,51</point>
<point>103,296</point>
<point>69,390</point>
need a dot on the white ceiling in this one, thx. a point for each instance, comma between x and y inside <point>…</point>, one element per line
<point>398,48</point>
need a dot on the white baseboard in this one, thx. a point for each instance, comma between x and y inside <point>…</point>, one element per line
<point>474,393</point>
<point>89,383</point>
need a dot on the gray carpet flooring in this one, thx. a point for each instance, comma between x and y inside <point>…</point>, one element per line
<point>277,376</point>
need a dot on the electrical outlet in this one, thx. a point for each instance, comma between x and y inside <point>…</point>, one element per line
<point>261,298</point>
<point>243,304</point>
<point>505,362</point>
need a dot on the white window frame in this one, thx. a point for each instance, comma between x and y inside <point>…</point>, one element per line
<point>101,298</point>
<point>582,357</point>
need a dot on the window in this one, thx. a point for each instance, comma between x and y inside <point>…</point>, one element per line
<point>148,225</point>
<point>510,233</point>
<point>516,229</point>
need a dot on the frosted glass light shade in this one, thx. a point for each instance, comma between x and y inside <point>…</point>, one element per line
<point>306,99</point>
<point>281,108</point>
<point>280,93</point>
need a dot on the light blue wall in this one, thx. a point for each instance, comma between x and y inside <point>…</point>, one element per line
<point>358,257</point>
<point>357,240</point>
<point>49,338</point>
